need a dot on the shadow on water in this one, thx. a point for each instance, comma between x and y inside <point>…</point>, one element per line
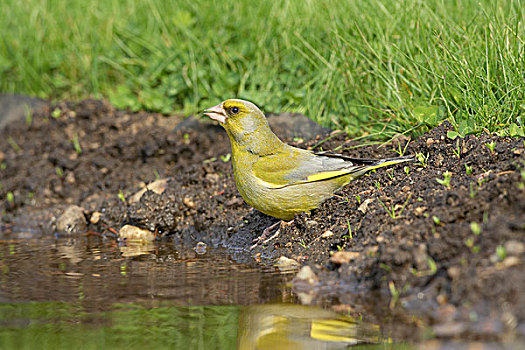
<point>90,293</point>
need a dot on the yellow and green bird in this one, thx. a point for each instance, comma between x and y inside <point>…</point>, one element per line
<point>278,179</point>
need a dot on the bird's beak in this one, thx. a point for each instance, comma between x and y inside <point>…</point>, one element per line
<point>216,113</point>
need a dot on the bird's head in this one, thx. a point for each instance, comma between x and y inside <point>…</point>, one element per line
<point>241,119</point>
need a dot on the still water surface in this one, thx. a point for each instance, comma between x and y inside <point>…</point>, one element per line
<point>87,293</point>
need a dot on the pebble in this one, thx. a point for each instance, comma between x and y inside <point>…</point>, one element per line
<point>200,248</point>
<point>514,247</point>
<point>286,264</point>
<point>306,275</point>
<point>188,202</point>
<point>454,272</point>
<point>364,206</point>
<point>95,217</point>
<point>341,257</point>
<point>158,186</point>
<point>130,233</point>
<point>72,220</point>
<point>327,234</point>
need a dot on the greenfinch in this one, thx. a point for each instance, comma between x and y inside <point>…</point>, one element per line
<point>278,179</point>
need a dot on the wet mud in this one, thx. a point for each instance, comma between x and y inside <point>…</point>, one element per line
<point>439,242</point>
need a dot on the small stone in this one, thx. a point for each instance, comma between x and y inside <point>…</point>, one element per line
<point>420,210</point>
<point>430,141</point>
<point>200,248</point>
<point>95,217</point>
<point>306,276</point>
<point>364,206</point>
<point>420,257</point>
<point>514,247</point>
<point>70,178</point>
<point>454,272</point>
<point>286,264</point>
<point>72,220</point>
<point>327,234</point>
<point>188,202</point>
<point>380,239</point>
<point>311,223</point>
<point>130,233</point>
<point>341,257</point>
<point>511,261</point>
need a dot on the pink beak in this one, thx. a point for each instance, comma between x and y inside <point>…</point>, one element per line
<point>216,113</point>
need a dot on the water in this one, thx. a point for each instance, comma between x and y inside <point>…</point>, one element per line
<point>88,293</point>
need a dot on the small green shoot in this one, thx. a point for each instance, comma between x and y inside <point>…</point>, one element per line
<point>390,174</point>
<point>473,192</point>
<point>432,265</point>
<point>302,243</point>
<point>457,150</point>
<point>10,198</point>
<point>76,144</point>
<point>391,210</point>
<point>447,176</point>
<point>56,113</point>
<point>395,294</point>
<point>226,158</point>
<point>422,159</point>
<point>501,252</point>
<point>121,196</point>
<point>475,228</point>
<point>3,166</point>
<point>378,184</point>
<point>468,169</point>
<point>59,171</point>
<point>14,145</point>
<point>491,146</point>
<point>406,169</point>
<point>350,235</point>
<point>358,198</point>
<point>399,150</point>
<point>156,173</point>
<point>436,220</point>
<point>469,242</point>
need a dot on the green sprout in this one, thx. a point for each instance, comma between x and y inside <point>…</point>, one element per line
<point>391,210</point>
<point>475,228</point>
<point>457,150</point>
<point>56,113</point>
<point>501,252</point>
<point>378,184</point>
<point>422,159</point>
<point>225,158</point>
<point>491,146</point>
<point>400,151</point>
<point>447,176</point>
<point>76,144</point>
<point>358,198</point>
<point>156,173</point>
<point>59,171</point>
<point>473,192</point>
<point>10,197</point>
<point>468,169</point>
<point>436,220</point>
<point>121,196</point>
<point>29,115</point>
<point>406,169</point>
<point>14,145</point>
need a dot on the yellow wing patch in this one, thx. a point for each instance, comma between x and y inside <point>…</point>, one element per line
<point>327,175</point>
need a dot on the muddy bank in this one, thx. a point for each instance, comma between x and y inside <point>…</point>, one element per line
<point>449,248</point>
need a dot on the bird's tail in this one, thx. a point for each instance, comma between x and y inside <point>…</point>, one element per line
<point>372,164</point>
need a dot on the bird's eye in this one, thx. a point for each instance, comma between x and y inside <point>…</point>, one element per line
<point>235,110</point>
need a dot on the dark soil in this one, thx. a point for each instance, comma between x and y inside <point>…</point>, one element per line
<point>449,254</point>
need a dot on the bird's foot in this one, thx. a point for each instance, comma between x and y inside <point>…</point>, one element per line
<point>262,239</point>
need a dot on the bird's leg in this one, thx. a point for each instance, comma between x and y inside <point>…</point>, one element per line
<point>263,238</point>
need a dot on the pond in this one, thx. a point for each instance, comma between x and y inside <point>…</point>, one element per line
<point>88,292</point>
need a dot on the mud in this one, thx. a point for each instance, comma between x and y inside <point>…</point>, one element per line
<point>451,254</point>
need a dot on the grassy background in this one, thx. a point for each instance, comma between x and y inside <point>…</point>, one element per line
<point>375,67</point>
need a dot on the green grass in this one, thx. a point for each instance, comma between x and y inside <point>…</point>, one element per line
<point>373,67</point>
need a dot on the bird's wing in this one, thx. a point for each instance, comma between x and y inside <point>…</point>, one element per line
<point>291,166</point>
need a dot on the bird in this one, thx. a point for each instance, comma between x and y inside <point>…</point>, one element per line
<point>278,179</point>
